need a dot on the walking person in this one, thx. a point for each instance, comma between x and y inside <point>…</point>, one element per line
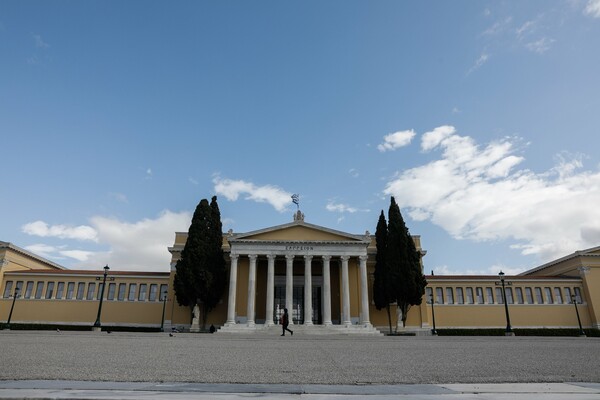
<point>285,321</point>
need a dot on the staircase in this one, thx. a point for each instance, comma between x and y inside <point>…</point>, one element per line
<point>301,330</point>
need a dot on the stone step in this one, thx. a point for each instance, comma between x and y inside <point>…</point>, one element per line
<point>302,329</point>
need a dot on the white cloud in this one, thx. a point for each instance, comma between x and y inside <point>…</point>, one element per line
<point>540,46</point>
<point>492,270</point>
<point>343,208</point>
<point>140,245</point>
<point>525,28</point>
<point>498,27</point>
<point>483,58</point>
<point>592,8</point>
<point>353,172</point>
<point>273,195</point>
<point>39,42</point>
<point>396,140</point>
<point>120,197</point>
<point>477,193</point>
<point>42,229</point>
<point>432,139</point>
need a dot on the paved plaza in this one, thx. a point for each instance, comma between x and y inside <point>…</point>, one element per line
<point>292,362</point>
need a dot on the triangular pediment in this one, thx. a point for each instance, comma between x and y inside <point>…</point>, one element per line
<point>298,232</point>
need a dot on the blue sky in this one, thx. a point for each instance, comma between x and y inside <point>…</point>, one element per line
<point>480,117</point>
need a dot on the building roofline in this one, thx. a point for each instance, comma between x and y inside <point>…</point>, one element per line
<point>578,253</point>
<point>87,272</point>
<point>8,245</point>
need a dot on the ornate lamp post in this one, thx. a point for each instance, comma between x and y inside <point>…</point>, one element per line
<point>509,331</point>
<point>97,326</point>
<point>162,321</point>
<point>574,300</point>
<point>15,295</point>
<point>433,331</point>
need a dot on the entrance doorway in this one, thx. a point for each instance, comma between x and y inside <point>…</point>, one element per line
<point>297,311</point>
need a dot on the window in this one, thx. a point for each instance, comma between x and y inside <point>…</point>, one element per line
<point>7,289</point>
<point>122,288</point>
<point>143,290</point>
<point>80,290</point>
<point>111,291</point>
<point>479,293</point>
<point>163,291</point>
<point>39,289</point>
<point>519,293</point>
<point>538,295</point>
<point>153,290</point>
<point>60,288</point>
<point>439,296</point>
<point>578,295</point>
<point>568,296</point>
<point>70,290</point>
<point>428,293</point>
<point>132,289</point>
<point>28,289</point>
<point>19,287</point>
<point>490,295</point>
<point>49,290</point>
<point>90,291</point>
<point>557,295</point>
<point>470,295</point>
<point>449,295</point>
<point>499,297</point>
<point>460,298</point>
<point>529,295</point>
<point>509,295</point>
<point>548,295</point>
<point>100,290</point>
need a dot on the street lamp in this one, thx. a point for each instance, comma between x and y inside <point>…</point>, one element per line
<point>574,300</point>
<point>433,331</point>
<point>162,320</point>
<point>15,295</point>
<point>509,331</point>
<point>97,326</point>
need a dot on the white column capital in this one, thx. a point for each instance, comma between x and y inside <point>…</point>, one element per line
<point>271,256</point>
<point>233,256</point>
<point>344,258</point>
<point>326,258</point>
<point>308,258</point>
<point>252,257</point>
<point>290,257</point>
<point>363,258</point>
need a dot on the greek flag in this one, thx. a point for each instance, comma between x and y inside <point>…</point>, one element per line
<point>296,199</point>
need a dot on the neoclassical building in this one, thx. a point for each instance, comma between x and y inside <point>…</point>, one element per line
<point>324,277</point>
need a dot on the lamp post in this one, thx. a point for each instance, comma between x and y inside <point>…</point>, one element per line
<point>97,326</point>
<point>574,300</point>
<point>15,295</point>
<point>162,320</point>
<point>509,331</point>
<point>433,331</point>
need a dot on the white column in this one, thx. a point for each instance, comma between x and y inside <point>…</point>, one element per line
<point>289,285</point>
<point>345,293</point>
<point>308,290</point>
<point>270,289</point>
<point>364,292</point>
<point>326,291</point>
<point>232,289</point>
<point>251,289</point>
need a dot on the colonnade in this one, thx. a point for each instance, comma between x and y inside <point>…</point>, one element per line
<point>289,275</point>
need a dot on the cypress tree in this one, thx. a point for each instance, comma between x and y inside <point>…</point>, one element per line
<point>382,286</point>
<point>200,276</point>
<point>405,263</point>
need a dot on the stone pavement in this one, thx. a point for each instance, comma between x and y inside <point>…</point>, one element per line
<point>90,365</point>
<point>183,391</point>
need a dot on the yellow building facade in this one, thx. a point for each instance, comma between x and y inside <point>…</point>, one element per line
<point>323,276</point>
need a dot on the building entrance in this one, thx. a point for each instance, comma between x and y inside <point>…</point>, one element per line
<point>297,311</point>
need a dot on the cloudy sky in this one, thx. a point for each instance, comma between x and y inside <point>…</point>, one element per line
<point>481,118</point>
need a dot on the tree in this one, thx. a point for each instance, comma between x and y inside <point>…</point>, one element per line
<point>404,262</point>
<point>383,288</point>
<point>200,275</point>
